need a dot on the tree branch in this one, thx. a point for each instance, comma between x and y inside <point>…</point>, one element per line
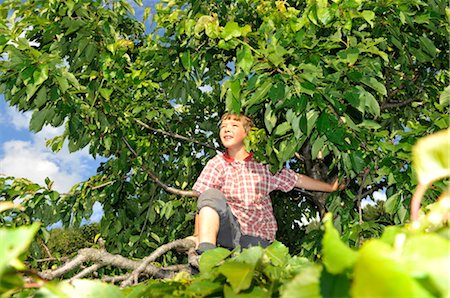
<point>181,243</point>
<point>359,195</point>
<point>101,258</point>
<point>169,189</point>
<point>175,135</point>
<point>87,271</point>
<point>395,104</point>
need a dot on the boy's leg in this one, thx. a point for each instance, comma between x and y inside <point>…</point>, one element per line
<point>216,223</point>
<point>208,225</point>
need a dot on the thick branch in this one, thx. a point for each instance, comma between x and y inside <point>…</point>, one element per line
<point>88,271</point>
<point>374,189</point>
<point>181,243</point>
<point>396,104</point>
<point>101,258</point>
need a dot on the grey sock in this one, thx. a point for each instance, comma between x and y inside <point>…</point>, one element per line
<point>204,246</point>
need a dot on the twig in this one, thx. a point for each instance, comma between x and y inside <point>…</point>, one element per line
<point>359,195</point>
<point>103,185</point>
<point>175,135</point>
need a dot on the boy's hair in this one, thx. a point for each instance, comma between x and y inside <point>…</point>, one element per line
<point>246,121</point>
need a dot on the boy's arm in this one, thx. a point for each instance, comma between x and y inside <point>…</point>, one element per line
<point>309,183</point>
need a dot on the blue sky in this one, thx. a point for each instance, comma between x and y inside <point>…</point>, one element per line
<point>24,154</point>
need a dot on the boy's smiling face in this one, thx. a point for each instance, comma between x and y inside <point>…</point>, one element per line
<point>232,134</point>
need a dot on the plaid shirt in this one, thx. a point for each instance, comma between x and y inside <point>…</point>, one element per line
<point>246,186</point>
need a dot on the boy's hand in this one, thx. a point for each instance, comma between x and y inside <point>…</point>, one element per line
<point>336,185</point>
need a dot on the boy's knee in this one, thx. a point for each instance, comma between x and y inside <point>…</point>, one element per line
<point>214,199</point>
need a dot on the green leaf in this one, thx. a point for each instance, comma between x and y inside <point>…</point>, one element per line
<point>38,119</point>
<point>444,99</point>
<point>245,59</point>
<point>277,92</point>
<point>80,288</point>
<point>201,23</point>
<point>379,272</point>
<point>324,15</point>
<point>317,146</point>
<point>426,256</point>
<point>358,162</point>
<point>349,56</point>
<point>306,284</point>
<point>428,46</point>
<point>250,255</point>
<point>62,82</point>
<point>15,243</point>
<point>211,258</point>
<point>375,85</point>
<point>311,118</point>
<point>40,75</point>
<point>253,292</point>
<point>212,28</point>
<point>368,16</point>
<point>231,30</point>
<point>186,60</point>
<point>106,93</point>
<point>337,256</point>
<point>203,288</point>
<point>332,285</point>
<point>369,102</point>
<point>41,97</point>
<point>369,124</point>
<point>278,253</point>
<point>238,274</point>
<point>270,119</point>
<point>282,129</point>
<point>259,94</point>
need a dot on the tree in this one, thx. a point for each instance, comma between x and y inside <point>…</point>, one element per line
<point>338,88</point>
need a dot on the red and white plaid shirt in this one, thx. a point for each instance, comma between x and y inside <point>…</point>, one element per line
<point>246,186</point>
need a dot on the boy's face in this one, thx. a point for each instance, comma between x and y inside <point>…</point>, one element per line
<point>232,134</point>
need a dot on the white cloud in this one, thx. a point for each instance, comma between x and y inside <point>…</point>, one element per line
<point>18,120</point>
<point>31,159</point>
<point>380,195</point>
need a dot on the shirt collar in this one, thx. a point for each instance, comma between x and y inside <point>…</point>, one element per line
<point>228,158</point>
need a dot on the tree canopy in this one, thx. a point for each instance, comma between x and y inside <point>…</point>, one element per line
<point>337,89</point>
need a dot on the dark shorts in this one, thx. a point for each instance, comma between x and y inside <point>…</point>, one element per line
<point>229,235</point>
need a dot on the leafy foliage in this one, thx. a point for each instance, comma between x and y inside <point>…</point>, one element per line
<point>336,88</point>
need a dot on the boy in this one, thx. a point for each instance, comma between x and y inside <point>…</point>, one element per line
<point>234,207</point>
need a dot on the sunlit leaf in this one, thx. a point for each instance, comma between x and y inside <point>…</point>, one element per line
<point>337,256</point>
<point>380,273</point>
<point>211,258</point>
<point>305,285</point>
<point>278,253</point>
<point>238,274</point>
<point>80,288</point>
<point>14,243</point>
<point>430,157</point>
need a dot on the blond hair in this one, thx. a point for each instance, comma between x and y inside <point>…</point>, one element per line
<point>246,121</point>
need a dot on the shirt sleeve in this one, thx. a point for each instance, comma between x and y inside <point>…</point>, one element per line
<point>210,177</point>
<point>284,180</point>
